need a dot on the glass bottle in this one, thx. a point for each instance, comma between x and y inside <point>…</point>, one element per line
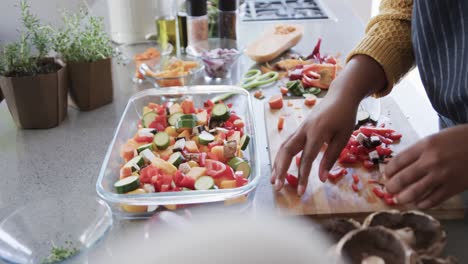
<point>167,24</point>
<point>182,20</point>
<point>227,19</point>
<point>197,26</point>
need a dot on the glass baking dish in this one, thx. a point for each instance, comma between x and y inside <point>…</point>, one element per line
<point>127,127</point>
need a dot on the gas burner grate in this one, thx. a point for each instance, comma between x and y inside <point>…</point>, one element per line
<point>264,10</point>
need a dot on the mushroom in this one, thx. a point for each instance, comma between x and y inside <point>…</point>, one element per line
<point>375,245</point>
<point>338,228</point>
<point>420,231</point>
<point>432,260</point>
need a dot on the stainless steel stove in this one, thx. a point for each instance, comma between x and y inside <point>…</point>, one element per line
<point>266,10</point>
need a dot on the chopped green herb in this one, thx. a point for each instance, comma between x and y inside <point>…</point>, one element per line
<point>58,254</point>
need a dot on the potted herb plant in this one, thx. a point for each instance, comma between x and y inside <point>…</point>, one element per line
<point>83,44</point>
<point>34,85</point>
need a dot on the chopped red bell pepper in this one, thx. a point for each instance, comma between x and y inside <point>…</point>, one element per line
<point>143,139</point>
<point>355,178</point>
<point>368,164</point>
<point>336,173</point>
<point>355,187</point>
<point>298,160</point>
<point>292,180</point>
<point>378,192</point>
<point>382,151</point>
<point>368,131</point>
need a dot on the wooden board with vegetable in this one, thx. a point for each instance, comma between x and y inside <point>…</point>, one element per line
<point>355,190</point>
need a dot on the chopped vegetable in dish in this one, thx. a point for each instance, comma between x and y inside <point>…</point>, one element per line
<point>179,147</point>
<point>219,61</point>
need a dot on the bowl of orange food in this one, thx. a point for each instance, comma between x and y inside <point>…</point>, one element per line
<point>147,52</point>
<point>172,71</point>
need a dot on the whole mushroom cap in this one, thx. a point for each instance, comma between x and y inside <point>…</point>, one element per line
<point>338,228</point>
<point>379,242</point>
<point>429,236</point>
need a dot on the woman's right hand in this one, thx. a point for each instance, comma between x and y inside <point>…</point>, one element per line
<point>331,122</point>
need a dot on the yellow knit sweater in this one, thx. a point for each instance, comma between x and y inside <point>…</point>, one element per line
<point>388,40</point>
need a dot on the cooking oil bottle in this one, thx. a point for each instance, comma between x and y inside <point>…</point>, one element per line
<point>167,24</point>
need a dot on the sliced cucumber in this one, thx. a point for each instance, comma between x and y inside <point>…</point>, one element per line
<point>186,123</point>
<point>189,117</point>
<point>238,164</point>
<point>148,118</point>
<point>127,184</point>
<point>204,183</point>
<point>244,142</point>
<point>176,159</point>
<point>144,147</point>
<point>205,138</point>
<point>161,140</point>
<point>220,112</point>
<point>174,118</point>
<point>136,163</point>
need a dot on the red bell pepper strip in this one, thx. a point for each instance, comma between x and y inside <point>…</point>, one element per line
<point>394,136</point>
<point>355,178</point>
<point>336,173</point>
<point>292,180</point>
<point>378,192</point>
<point>368,131</point>
<point>298,160</point>
<point>382,151</point>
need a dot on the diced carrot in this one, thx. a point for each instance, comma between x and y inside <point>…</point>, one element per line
<point>127,151</point>
<point>311,100</point>
<point>281,123</point>
<point>284,90</point>
<point>258,94</point>
<point>276,102</point>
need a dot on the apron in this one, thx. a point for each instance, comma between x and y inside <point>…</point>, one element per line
<point>440,43</point>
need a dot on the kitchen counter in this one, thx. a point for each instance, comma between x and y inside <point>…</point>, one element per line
<point>66,160</point>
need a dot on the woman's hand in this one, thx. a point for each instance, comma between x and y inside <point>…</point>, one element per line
<point>432,170</point>
<point>331,122</point>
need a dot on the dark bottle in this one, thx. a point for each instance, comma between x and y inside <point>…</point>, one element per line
<point>227,19</point>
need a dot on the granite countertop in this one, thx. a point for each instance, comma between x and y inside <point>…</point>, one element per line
<point>66,160</point>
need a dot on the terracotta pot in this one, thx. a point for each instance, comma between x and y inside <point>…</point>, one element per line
<point>37,102</point>
<point>91,84</point>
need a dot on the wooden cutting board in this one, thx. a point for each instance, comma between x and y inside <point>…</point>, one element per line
<point>328,199</point>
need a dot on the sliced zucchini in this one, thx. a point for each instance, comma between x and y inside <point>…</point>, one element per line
<point>220,112</point>
<point>238,164</point>
<point>186,123</point>
<point>176,159</point>
<point>244,142</point>
<point>127,184</point>
<point>148,118</point>
<point>179,145</point>
<point>161,140</point>
<point>204,183</point>
<point>174,118</point>
<point>136,163</point>
<point>205,138</point>
<point>189,117</point>
<point>144,147</point>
